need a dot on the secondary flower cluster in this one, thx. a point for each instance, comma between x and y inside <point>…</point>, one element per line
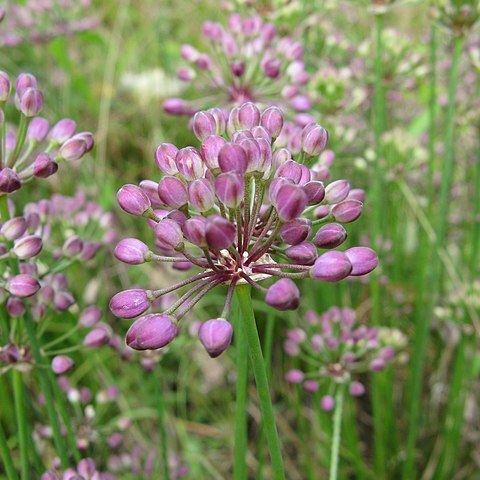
<point>34,148</point>
<point>336,349</point>
<point>242,210</point>
<point>85,470</point>
<point>249,62</point>
<point>37,21</point>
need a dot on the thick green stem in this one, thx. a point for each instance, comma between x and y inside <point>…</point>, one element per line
<point>45,386</point>
<point>21,415</point>
<point>240,471</point>
<point>163,430</point>
<point>21,135</point>
<point>6,457</point>
<point>434,279</point>
<point>337,433</point>
<point>258,365</point>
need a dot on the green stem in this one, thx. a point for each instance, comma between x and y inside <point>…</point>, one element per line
<point>435,268</point>
<point>432,110</point>
<point>45,386</point>
<point>21,135</point>
<point>258,365</point>
<point>21,415</point>
<point>163,431</point>
<point>240,471</point>
<point>6,457</point>
<point>337,433</point>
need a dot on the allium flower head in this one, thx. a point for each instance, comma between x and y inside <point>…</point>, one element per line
<point>243,211</point>
<point>34,148</point>
<point>338,349</point>
<point>248,61</point>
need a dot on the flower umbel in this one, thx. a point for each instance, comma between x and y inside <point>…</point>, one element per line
<point>242,210</point>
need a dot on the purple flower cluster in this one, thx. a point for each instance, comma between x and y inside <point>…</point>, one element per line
<point>249,62</point>
<point>35,148</point>
<point>335,348</point>
<point>38,21</point>
<point>242,210</point>
<point>85,470</point>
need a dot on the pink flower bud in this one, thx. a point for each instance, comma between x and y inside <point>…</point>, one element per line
<point>194,230</point>
<point>230,189</point>
<point>347,211</point>
<point>211,147</point>
<point>151,332</point>
<point>176,106</point>
<point>290,170</point>
<point>220,233</point>
<point>357,194</point>
<point>252,150</point>
<point>283,295</point>
<point>190,163</point>
<point>311,386</point>
<point>9,181</point>
<point>314,139</point>
<point>189,53</point>
<point>248,116</point>
<point>272,121</point>
<point>216,336</point>
<point>131,251</point>
<point>232,158</point>
<point>23,82</point>
<point>204,125</point>
<point>237,67</point>
<point>72,246</point>
<point>62,131</point>
<point>5,86</point>
<point>330,236</point>
<point>169,235</point>
<point>200,194</point>
<point>303,254</point>
<point>337,191</point>
<point>27,247</point>
<point>314,191</point>
<point>165,158</point>
<point>38,129</point>
<point>295,376</point>
<point>151,189</point>
<point>96,338</point>
<point>363,260</point>
<point>44,166</point>
<point>86,468</point>
<point>31,102</point>
<point>62,364</point>
<point>73,149</point>
<point>15,307</point>
<point>172,192</point>
<point>133,200</point>
<point>296,231</point>
<point>129,303</point>
<point>63,301</point>
<point>377,364</point>
<point>23,285</point>
<point>13,228</point>
<point>356,389</point>
<point>271,67</point>
<point>327,403</point>
<point>331,267</point>
<point>90,316</point>
<point>290,201</point>
<point>301,103</point>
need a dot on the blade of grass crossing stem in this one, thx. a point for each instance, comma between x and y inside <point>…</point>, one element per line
<point>45,386</point>
<point>240,471</point>
<point>267,348</point>
<point>263,390</point>
<point>378,400</point>
<point>435,272</point>
<point>22,425</point>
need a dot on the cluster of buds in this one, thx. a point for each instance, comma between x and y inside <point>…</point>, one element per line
<point>85,470</point>
<point>35,148</point>
<point>243,211</point>
<point>458,15</point>
<point>336,349</point>
<point>250,62</point>
<point>38,21</point>
<point>56,227</point>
